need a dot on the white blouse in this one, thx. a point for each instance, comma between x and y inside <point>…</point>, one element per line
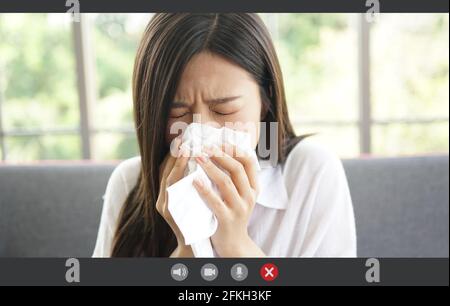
<point>304,208</point>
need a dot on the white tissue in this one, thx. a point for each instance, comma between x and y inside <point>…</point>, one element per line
<point>192,215</point>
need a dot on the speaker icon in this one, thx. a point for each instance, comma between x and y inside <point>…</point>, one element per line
<point>179,272</point>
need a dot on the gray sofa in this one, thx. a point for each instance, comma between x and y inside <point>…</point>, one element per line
<point>401,207</point>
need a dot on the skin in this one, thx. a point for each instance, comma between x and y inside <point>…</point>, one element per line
<point>220,92</point>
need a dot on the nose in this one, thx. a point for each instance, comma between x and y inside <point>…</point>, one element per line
<point>202,114</point>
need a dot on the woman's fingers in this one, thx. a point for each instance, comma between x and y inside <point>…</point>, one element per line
<point>247,161</point>
<point>214,201</point>
<point>235,168</point>
<point>179,167</point>
<point>169,160</point>
<point>171,170</point>
<point>175,146</point>
<point>226,186</point>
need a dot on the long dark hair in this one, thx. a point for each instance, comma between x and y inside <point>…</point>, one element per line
<point>169,41</point>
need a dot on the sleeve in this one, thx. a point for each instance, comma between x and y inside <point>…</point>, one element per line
<point>330,230</point>
<point>113,199</point>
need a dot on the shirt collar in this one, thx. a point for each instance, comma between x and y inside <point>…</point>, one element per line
<point>272,189</point>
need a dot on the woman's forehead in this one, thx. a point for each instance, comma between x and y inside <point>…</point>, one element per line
<point>211,76</point>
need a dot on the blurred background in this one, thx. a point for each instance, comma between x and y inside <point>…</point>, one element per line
<point>367,89</point>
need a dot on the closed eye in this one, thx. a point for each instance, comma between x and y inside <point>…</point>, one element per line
<point>230,108</point>
<point>179,116</point>
<point>224,114</point>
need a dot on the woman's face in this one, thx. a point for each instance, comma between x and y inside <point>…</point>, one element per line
<point>218,92</point>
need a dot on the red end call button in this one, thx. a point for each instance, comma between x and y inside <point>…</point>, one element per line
<point>269,272</point>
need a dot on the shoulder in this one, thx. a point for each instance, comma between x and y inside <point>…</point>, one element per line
<point>311,156</point>
<point>312,164</point>
<point>129,167</point>
<point>127,172</point>
<point>122,180</point>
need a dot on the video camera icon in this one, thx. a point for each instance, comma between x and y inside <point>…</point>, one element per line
<point>209,272</point>
<point>179,272</point>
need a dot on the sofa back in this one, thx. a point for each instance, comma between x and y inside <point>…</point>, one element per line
<point>401,207</point>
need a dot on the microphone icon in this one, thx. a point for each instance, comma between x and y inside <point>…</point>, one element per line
<point>239,272</point>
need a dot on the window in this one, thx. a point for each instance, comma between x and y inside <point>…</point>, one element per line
<point>38,96</point>
<point>318,56</point>
<point>116,37</point>
<point>380,88</point>
<point>410,84</point>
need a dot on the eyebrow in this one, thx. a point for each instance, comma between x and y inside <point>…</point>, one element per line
<point>223,99</point>
<point>180,104</point>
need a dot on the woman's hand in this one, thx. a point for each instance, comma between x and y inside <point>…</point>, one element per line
<point>234,206</point>
<point>171,171</point>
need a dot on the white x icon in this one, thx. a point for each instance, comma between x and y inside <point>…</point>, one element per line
<point>269,271</point>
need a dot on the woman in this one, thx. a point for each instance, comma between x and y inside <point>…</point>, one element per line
<point>223,69</point>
